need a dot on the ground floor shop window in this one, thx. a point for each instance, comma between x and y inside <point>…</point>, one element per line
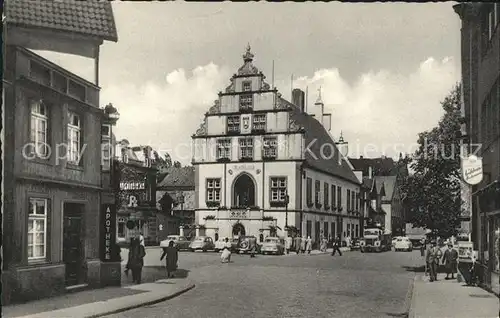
<point>121,227</point>
<point>357,230</point>
<point>37,228</point>
<point>333,230</point>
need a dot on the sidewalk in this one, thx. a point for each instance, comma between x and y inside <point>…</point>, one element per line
<point>100,302</point>
<point>451,299</point>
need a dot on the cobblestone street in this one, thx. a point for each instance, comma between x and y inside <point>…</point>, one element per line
<point>354,285</point>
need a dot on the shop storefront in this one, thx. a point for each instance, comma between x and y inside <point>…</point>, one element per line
<point>137,203</point>
<point>489,207</point>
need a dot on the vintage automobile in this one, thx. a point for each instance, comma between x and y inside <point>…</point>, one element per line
<point>403,244</point>
<point>219,245</point>
<point>355,244</point>
<point>273,245</point>
<point>202,243</point>
<point>181,242</point>
<point>243,245</point>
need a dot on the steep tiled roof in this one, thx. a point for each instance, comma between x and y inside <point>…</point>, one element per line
<point>380,166</point>
<point>91,18</point>
<point>178,177</point>
<point>389,183</point>
<point>314,130</point>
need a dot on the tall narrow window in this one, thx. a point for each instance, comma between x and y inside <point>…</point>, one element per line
<point>270,148</point>
<point>259,123</point>
<point>39,128</point>
<point>106,154</point>
<point>334,196</point>
<point>339,198</point>
<point>317,193</point>
<point>37,228</point>
<point>278,190</point>
<point>348,192</point>
<point>353,199</point>
<point>223,149</point>
<point>326,196</point>
<point>357,202</point>
<point>246,149</point>
<point>233,124</point>
<point>246,102</point>
<point>74,135</point>
<point>309,192</point>
<point>213,190</point>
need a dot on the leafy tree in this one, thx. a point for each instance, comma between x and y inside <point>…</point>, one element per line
<point>177,164</point>
<point>432,194</point>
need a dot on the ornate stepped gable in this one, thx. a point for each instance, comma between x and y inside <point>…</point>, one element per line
<point>202,131</point>
<point>215,109</point>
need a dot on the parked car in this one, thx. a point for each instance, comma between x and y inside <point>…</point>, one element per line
<point>219,245</point>
<point>243,245</point>
<point>355,244</point>
<point>273,245</point>
<point>202,243</point>
<point>181,242</point>
<point>394,239</point>
<point>403,244</point>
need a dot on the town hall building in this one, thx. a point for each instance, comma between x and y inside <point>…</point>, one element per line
<point>265,167</point>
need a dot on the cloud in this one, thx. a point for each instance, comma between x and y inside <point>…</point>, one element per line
<point>165,115</point>
<point>383,109</point>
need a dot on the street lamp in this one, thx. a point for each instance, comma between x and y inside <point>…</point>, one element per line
<point>287,200</point>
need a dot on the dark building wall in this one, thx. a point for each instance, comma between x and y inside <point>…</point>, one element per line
<point>46,178</point>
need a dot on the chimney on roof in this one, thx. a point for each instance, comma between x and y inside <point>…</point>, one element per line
<point>360,157</point>
<point>298,99</point>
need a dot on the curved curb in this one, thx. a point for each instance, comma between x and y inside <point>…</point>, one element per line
<point>151,302</point>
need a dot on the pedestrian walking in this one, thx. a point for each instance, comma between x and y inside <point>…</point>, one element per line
<point>450,259</point>
<point>253,246</point>
<point>423,247</point>
<point>298,243</point>
<point>136,259</point>
<point>434,254</point>
<point>226,252</point>
<point>172,255</point>
<point>288,244</point>
<point>309,245</point>
<point>303,242</point>
<point>336,246</point>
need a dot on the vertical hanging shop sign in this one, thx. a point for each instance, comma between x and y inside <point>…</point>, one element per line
<point>108,233</point>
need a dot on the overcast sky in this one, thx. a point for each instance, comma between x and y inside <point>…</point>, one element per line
<point>383,68</point>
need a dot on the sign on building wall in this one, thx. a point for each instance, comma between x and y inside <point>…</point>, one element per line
<point>108,247</point>
<point>472,170</point>
<point>137,188</point>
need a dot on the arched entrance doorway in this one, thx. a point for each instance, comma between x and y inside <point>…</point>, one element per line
<point>244,191</point>
<point>238,230</point>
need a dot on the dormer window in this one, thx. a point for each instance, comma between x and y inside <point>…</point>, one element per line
<point>233,124</point>
<point>247,86</point>
<point>246,102</point>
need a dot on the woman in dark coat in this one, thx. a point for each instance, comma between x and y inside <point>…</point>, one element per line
<point>172,257</point>
<point>136,259</point>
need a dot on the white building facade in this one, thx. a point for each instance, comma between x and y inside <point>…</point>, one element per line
<point>263,165</point>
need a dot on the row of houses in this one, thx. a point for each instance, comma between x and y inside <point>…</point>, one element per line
<point>480,50</point>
